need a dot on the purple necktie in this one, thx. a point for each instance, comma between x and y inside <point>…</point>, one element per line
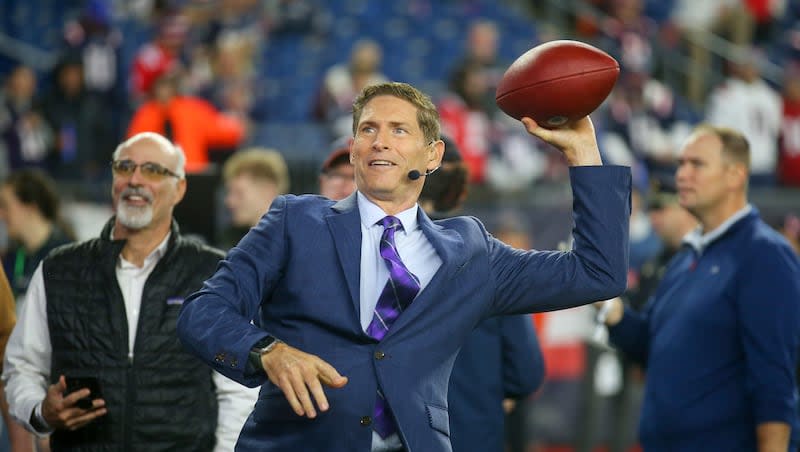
<point>397,294</point>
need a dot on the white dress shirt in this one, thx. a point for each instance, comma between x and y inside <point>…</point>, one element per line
<point>417,254</point>
<point>27,362</point>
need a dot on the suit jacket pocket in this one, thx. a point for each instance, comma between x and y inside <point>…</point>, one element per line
<point>274,408</point>
<point>438,418</point>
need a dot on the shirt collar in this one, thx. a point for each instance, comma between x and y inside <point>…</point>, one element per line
<point>154,255</point>
<point>699,241</point>
<point>371,214</point>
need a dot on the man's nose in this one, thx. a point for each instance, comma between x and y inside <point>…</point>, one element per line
<point>381,140</point>
<point>136,177</point>
<point>681,172</point>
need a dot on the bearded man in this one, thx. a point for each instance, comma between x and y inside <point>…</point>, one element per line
<point>95,361</point>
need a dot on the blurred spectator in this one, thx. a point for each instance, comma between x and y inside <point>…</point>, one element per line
<point>81,121</point>
<point>30,209</point>
<point>253,178</point>
<point>727,18</point>
<point>465,118</point>
<point>645,124</point>
<point>630,36</point>
<point>337,176</point>
<point>520,161</point>
<point>227,38</point>
<point>25,137</point>
<point>193,123</point>
<point>747,103</point>
<point>343,82</point>
<point>789,156</point>
<point>482,49</point>
<point>93,39</point>
<point>158,57</point>
<point>230,86</point>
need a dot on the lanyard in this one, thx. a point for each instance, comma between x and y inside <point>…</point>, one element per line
<point>19,264</point>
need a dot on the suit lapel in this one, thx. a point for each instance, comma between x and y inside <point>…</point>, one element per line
<point>449,245</point>
<point>345,226</point>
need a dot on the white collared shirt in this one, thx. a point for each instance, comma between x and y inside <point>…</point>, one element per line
<point>417,254</point>
<point>699,240</point>
<point>26,372</point>
<point>131,281</point>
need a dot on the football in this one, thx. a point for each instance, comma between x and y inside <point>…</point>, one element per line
<point>557,82</point>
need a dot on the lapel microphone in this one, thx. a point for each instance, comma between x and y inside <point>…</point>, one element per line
<point>414,174</point>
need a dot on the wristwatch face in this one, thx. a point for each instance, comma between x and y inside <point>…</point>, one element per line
<point>263,345</point>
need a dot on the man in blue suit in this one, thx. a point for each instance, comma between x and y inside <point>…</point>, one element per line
<point>299,304</point>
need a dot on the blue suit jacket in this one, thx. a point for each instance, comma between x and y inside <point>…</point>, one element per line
<point>500,359</point>
<point>296,276</point>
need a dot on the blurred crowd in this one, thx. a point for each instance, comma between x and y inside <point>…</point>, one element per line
<point>203,62</point>
<point>199,73</point>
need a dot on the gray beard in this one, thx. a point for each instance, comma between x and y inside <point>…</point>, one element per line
<point>134,217</point>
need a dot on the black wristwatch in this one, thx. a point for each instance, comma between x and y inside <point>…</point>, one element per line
<point>260,348</point>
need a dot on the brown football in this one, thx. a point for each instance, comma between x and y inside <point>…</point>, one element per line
<point>557,82</point>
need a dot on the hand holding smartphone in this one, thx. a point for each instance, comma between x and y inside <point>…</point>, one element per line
<point>78,383</point>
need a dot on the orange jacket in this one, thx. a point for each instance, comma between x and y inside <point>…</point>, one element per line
<point>196,127</point>
<point>8,317</point>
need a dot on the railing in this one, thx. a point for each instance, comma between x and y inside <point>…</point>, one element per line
<point>29,55</point>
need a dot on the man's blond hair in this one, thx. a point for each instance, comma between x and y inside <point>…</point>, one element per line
<point>260,164</point>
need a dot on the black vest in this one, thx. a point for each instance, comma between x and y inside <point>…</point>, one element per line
<point>162,400</point>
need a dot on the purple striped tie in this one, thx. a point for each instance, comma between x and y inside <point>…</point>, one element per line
<point>397,294</point>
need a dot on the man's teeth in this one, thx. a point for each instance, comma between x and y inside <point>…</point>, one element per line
<point>381,163</point>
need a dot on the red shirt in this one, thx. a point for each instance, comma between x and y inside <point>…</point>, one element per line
<point>151,62</point>
<point>789,156</point>
<point>471,130</point>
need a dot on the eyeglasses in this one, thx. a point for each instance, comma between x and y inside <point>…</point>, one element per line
<point>149,170</point>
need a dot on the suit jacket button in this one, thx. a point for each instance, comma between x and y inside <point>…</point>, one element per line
<point>380,355</point>
<point>365,421</point>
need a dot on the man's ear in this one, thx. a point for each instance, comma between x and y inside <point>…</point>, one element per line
<point>181,190</point>
<point>436,153</point>
<point>738,175</point>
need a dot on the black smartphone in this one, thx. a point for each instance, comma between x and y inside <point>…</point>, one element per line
<point>78,383</point>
